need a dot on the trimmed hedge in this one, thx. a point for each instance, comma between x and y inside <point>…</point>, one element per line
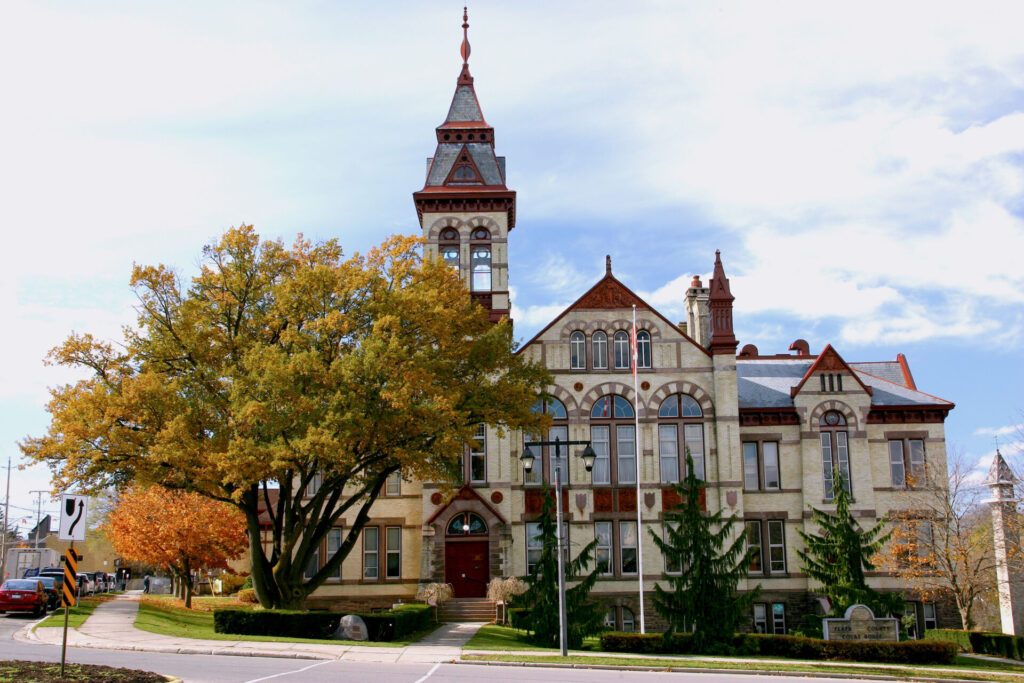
<point>380,626</point>
<point>980,642</point>
<point>792,647</point>
<point>283,623</point>
<point>519,617</point>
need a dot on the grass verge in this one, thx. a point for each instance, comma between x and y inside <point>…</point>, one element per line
<point>77,614</point>
<point>964,669</point>
<point>166,618</point>
<point>494,637</point>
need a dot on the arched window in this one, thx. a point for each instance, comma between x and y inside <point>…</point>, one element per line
<point>643,349</point>
<point>480,234</point>
<point>481,262</point>
<point>611,416</point>
<point>599,350</point>
<point>621,343</point>
<point>835,452</point>
<point>577,351</point>
<point>448,247</point>
<point>680,430</point>
<point>466,524</point>
<point>544,468</point>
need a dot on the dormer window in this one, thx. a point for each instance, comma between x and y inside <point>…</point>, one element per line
<point>831,382</point>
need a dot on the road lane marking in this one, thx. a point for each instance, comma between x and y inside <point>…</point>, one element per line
<point>429,673</point>
<point>289,673</point>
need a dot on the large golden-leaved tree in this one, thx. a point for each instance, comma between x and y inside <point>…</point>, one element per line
<point>292,368</point>
<point>178,530</point>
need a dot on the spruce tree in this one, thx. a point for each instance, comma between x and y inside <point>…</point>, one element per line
<point>583,616</point>
<point>702,596</point>
<point>840,553</point>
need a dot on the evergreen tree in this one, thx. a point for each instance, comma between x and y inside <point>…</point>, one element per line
<point>702,596</point>
<point>838,556</point>
<point>583,616</point>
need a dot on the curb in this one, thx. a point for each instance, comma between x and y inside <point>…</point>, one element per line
<point>703,670</point>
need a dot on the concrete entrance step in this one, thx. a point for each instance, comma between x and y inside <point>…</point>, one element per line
<point>467,610</point>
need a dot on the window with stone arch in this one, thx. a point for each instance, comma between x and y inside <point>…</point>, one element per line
<point>643,349</point>
<point>480,259</point>
<point>835,452</point>
<point>448,247</point>
<point>613,438</point>
<point>466,524</point>
<point>620,344</point>
<point>680,429</point>
<point>577,351</point>
<point>544,468</point>
<point>599,350</point>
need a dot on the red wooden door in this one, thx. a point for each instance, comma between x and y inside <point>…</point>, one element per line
<point>467,568</point>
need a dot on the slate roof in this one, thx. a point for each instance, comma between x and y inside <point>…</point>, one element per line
<point>766,383</point>
<point>483,157</point>
<point>465,106</point>
<point>889,370</point>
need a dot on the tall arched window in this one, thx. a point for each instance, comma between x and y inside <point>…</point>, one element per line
<point>577,351</point>
<point>448,247</point>
<point>643,349</point>
<point>835,452</point>
<point>621,347</point>
<point>613,438</point>
<point>599,350</point>
<point>544,468</point>
<point>480,255</point>
<point>680,430</point>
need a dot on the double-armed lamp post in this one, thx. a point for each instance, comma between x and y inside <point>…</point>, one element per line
<point>528,459</point>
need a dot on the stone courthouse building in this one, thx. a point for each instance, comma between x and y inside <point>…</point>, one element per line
<point>768,432</point>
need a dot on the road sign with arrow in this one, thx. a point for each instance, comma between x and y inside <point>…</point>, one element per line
<point>73,510</point>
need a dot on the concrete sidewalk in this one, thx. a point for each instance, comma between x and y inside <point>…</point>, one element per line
<point>111,626</point>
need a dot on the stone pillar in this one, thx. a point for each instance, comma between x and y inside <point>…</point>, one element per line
<point>1008,567</point>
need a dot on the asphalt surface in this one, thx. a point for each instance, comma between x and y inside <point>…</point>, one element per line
<point>226,669</point>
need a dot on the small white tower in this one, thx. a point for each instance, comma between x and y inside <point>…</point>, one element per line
<point>1008,575</point>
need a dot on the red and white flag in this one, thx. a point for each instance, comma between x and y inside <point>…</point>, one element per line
<point>632,344</point>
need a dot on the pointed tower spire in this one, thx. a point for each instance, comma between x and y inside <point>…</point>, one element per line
<point>720,299</point>
<point>465,78</point>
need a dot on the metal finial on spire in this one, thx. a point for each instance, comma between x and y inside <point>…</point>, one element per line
<point>608,264</point>
<point>464,50</point>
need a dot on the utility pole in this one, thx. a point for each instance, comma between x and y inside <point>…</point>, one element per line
<point>7,525</point>
<point>39,519</point>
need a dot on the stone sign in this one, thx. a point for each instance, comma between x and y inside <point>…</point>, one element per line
<point>352,628</point>
<point>860,623</point>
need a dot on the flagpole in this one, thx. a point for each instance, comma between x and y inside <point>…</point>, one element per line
<point>639,450</point>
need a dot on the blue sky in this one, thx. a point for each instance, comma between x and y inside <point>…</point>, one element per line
<point>861,168</point>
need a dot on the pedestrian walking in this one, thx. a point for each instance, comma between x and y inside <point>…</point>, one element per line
<point>145,584</point>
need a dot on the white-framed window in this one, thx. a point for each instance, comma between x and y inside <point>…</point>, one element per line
<point>627,548</point>
<point>545,464</point>
<point>450,255</point>
<point>779,618</point>
<point>599,350</point>
<point>313,566</point>
<point>753,539</point>
<point>577,351</point>
<point>560,459</point>
<point>314,484</point>
<point>680,412</point>
<point>930,619</point>
<point>610,622</point>
<point>835,453</point>
<point>393,484</point>
<point>760,617</point>
<point>620,619</point>
<point>371,553</point>
<point>478,455</point>
<point>907,466</point>
<point>643,349</point>
<point>620,344</point>
<point>601,474</point>
<point>761,466</point>
<point>603,552</point>
<point>534,546</point>
<point>776,546</point>
<point>619,466</point>
<point>628,620</point>
<point>333,545</point>
<point>480,257</point>
<point>625,450</point>
<point>393,536</point>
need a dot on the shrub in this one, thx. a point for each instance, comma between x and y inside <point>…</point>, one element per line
<point>230,583</point>
<point>791,647</point>
<point>283,623</point>
<point>981,642</point>
<point>397,623</point>
<point>519,617</point>
<point>435,594</point>
<point>951,635</point>
<point>247,595</point>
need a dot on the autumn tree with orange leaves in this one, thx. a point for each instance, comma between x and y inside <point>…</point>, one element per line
<point>177,530</point>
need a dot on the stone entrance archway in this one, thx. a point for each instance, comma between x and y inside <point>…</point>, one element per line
<point>467,558</point>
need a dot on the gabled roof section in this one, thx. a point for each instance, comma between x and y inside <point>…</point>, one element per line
<point>467,492</point>
<point>829,359</point>
<point>610,294</point>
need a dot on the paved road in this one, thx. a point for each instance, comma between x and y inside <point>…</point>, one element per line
<point>224,669</point>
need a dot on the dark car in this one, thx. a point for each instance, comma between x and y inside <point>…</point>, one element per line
<point>23,595</point>
<point>52,589</point>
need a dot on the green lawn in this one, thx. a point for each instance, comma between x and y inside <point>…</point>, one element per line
<point>78,614</point>
<point>494,637</point>
<point>170,620</point>
<point>984,672</point>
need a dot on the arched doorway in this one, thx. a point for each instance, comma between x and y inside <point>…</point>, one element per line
<point>467,555</point>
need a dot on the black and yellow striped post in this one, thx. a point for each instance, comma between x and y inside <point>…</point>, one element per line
<point>70,596</point>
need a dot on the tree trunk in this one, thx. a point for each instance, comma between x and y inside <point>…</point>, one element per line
<point>186,579</point>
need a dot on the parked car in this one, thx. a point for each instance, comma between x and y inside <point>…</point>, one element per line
<point>99,581</point>
<point>53,590</point>
<point>85,585</point>
<point>23,595</point>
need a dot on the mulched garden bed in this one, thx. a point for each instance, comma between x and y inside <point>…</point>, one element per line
<point>46,672</point>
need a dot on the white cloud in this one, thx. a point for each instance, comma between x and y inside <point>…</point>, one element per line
<point>1005,430</point>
